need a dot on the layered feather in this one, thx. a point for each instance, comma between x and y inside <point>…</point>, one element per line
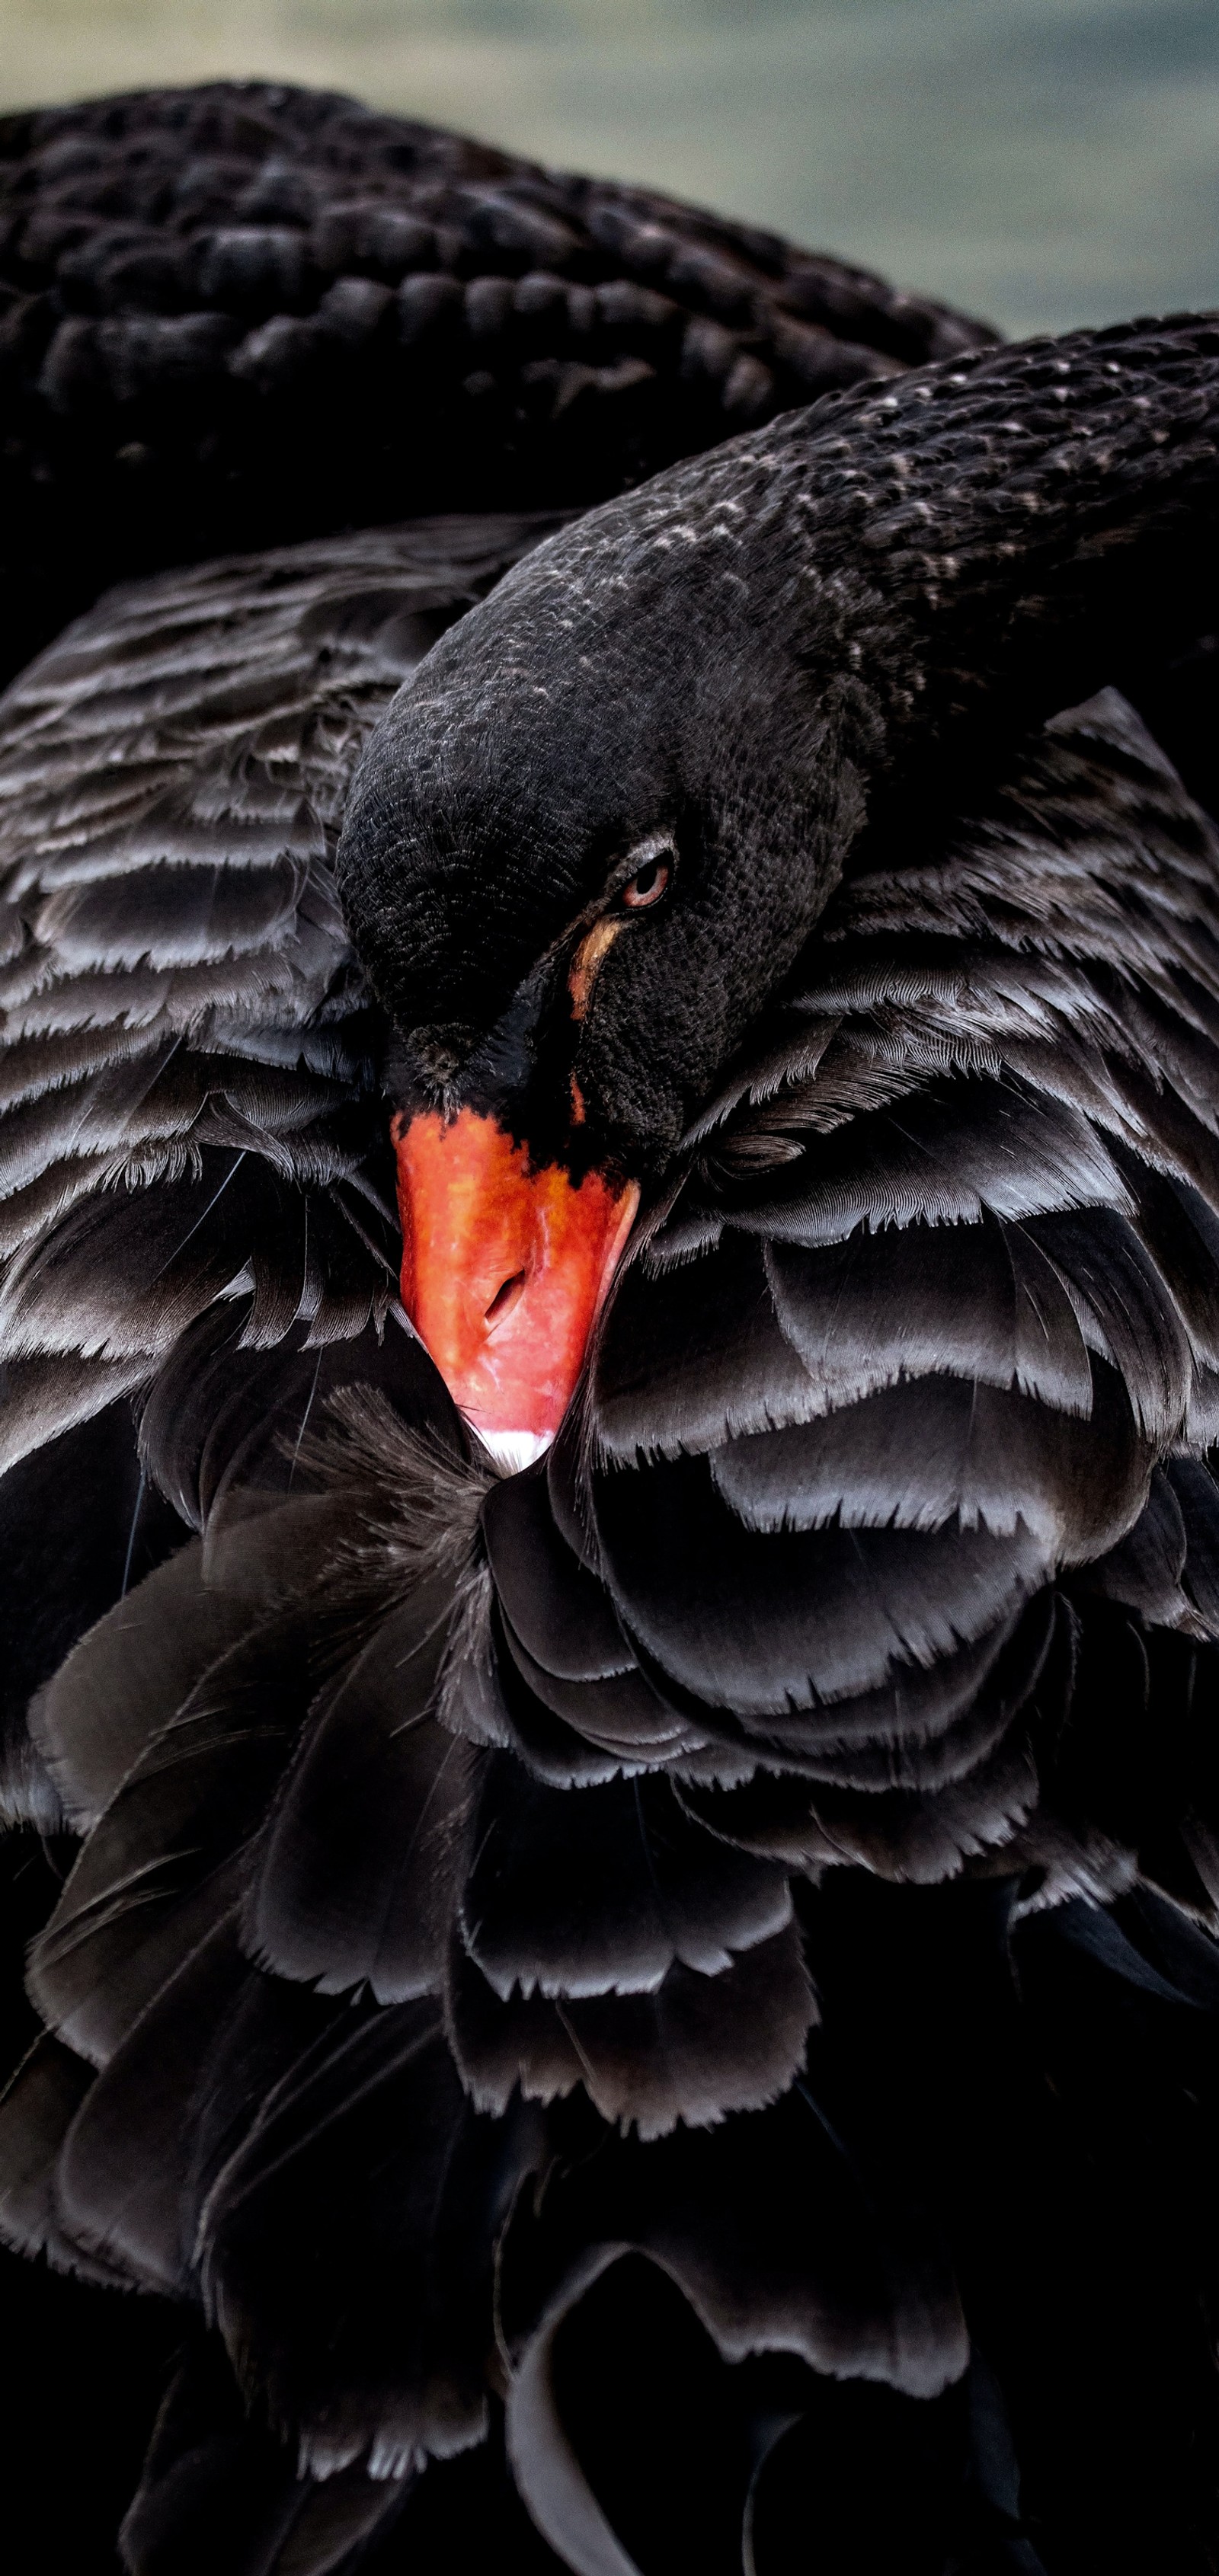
<point>489,1885</point>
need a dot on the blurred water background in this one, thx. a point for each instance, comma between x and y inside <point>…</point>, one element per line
<point>1042,162</point>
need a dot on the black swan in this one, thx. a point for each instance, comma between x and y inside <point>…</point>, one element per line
<point>610,1336</point>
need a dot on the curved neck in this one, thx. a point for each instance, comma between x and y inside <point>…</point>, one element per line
<point>1035,516</point>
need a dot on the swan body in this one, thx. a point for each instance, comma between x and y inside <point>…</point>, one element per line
<point>651,2002</point>
<point>186,275</point>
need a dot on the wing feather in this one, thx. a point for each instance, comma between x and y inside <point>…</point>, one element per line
<point>189,1107</point>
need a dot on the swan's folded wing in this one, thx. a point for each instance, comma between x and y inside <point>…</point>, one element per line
<point>188,1104</point>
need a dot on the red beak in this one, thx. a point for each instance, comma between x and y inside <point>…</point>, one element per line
<point>503,1271</point>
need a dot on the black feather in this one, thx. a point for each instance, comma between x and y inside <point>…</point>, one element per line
<point>606,1898</point>
<point>695,2049</point>
<point>359,1878</point>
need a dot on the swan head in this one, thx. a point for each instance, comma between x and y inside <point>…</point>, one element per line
<point>585,843</point>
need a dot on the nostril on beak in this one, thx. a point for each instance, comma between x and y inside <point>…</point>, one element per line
<point>505,1298</point>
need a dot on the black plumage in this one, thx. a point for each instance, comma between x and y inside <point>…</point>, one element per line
<point>181,270</point>
<point>674,1985</point>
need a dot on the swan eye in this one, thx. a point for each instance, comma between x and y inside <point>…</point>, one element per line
<point>647,885</point>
